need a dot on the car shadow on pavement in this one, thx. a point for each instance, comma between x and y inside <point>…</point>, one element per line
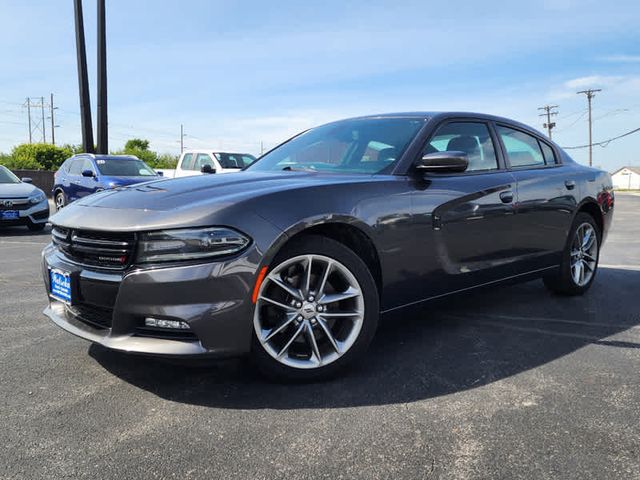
<point>23,231</point>
<point>438,349</point>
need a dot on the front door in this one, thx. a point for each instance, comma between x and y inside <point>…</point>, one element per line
<point>466,218</point>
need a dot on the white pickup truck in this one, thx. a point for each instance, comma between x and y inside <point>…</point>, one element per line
<point>198,162</point>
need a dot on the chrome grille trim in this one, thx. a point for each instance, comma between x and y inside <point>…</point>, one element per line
<point>95,249</point>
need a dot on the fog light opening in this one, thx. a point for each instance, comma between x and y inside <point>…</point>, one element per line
<point>170,324</point>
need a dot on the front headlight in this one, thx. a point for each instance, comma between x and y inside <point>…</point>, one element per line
<point>37,198</point>
<point>189,244</point>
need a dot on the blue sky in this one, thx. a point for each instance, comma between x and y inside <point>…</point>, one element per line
<point>240,73</point>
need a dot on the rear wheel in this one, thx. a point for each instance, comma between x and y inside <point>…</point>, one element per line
<point>316,312</point>
<point>579,258</point>
<point>61,200</point>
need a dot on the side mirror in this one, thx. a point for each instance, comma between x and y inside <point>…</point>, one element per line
<point>160,174</point>
<point>206,168</point>
<point>27,179</point>
<point>443,162</point>
<point>88,173</point>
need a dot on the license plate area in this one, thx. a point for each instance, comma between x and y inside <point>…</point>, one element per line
<point>9,215</point>
<point>60,285</point>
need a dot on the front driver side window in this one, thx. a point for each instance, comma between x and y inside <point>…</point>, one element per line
<point>472,138</point>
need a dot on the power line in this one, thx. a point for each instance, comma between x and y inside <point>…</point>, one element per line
<point>590,93</point>
<point>548,112</point>
<point>604,143</point>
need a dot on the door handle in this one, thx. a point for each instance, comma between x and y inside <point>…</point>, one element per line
<point>570,184</point>
<point>506,197</point>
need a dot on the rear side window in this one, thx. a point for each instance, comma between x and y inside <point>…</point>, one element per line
<point>523,149</point>
<point>471,138</point>
<point>186,162</point>
<point>549,156</point>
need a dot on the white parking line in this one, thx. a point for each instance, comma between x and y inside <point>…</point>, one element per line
<point>9,242</point>
<point>593,339</point>
<point>619,267</point>
<point>550,320</point>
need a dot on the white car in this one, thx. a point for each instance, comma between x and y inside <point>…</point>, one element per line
<point>198,162</point>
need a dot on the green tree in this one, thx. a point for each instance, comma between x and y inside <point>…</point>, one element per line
<point>139,147</point>
<point>36,156</point>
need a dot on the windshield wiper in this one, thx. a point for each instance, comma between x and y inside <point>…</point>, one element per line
<point>299,169</point>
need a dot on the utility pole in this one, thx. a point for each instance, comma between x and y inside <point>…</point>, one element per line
<point>548,112</point>
<point>590,94</point>
<point>53,122</point>
<point>261,147</point>
<point>29,114</point>
<point>182,135</point>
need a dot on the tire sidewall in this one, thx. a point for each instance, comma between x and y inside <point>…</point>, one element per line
<point>315,244</point>
<point>566,276</point>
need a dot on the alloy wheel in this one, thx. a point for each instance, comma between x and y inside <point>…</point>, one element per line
<point>584,254</point>
<point>309,311</point>
<point>59,201</point>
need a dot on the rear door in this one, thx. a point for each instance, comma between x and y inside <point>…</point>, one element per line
<point>546,198</point>
<point>466,218</point>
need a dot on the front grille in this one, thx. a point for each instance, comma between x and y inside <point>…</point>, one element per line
<point>106,250</point>
<point>14,204</point>
<point>97,317</point>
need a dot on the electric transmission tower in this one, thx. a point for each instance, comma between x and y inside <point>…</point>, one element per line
<point>549,112</point>
<point>37,125</point>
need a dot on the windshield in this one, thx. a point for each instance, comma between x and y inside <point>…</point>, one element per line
<point>6,176</point>
<point>124,167</point>
<point>368,145</point>
<point>235,160</point>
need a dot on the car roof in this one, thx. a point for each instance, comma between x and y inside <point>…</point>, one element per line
<point>443,115</point>
<point>100,156</point>
<point>204,150</point>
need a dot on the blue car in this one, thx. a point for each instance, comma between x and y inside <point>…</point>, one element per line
<point>84,174</point>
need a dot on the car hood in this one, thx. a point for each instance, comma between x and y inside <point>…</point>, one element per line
<point>184,201</point>
<point>13,190</point>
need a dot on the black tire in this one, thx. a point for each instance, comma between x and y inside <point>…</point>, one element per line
<point>60,200</point>
<point>318,245</point>
<point>561,281</point>
<point>36,227</point>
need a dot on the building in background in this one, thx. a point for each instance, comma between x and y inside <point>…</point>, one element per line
<point>626,178</point>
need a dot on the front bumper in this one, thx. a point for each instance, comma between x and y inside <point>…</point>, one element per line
<point>214,299</point>
<point>36,214</point>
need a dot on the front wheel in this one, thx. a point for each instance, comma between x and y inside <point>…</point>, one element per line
<point>316,311</point>
<point>61,201</point>
<point>579,258</point>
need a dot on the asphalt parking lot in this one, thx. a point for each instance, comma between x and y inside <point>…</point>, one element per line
<point>511,383</point>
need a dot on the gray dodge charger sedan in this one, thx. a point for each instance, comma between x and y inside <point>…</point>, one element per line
<point>294,259</point>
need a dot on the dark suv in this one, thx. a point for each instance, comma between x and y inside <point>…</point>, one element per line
<point>86,173</point>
